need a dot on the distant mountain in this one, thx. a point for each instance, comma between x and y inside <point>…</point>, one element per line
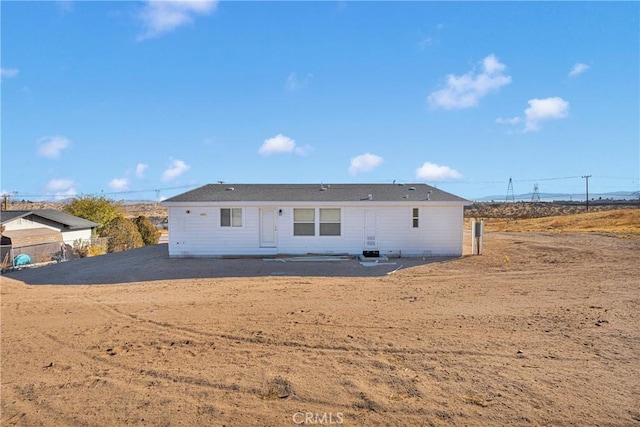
<point>549,197</point>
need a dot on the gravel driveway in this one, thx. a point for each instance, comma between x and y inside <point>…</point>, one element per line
<point>153,263</point>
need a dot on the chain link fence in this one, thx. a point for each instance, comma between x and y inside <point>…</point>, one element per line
<point>42,253</point>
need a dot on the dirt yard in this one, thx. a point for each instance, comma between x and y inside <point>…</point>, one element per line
<point>543,329</point>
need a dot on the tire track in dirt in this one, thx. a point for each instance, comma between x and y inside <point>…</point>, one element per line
<point>360,400</point>
<point>30,411</point>
<point>168,378</point>
<point>148,372</point>
<point>166,326</point>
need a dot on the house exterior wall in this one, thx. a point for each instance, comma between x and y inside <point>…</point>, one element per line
<point>198,233</point>
<point>70,236</point>
<point>30,223</point>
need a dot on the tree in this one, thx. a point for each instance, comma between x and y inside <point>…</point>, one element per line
<point>150,234</point>
<point>97,209</point>
<point>123,235</point>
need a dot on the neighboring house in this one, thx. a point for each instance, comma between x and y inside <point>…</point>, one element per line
<point>270,219</point>
<point>44,226</point>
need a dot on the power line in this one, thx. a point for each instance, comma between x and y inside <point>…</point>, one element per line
<point>15,194</point>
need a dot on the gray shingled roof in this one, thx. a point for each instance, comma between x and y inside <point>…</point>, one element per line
<point>314,193</point>
<point>71,222</point>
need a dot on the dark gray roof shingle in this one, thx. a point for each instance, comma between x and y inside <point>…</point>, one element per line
<point>314,193</point>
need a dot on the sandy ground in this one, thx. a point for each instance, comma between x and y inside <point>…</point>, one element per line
<point>540,330</point>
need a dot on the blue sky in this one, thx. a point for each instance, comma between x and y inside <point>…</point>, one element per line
<point>126,98</point>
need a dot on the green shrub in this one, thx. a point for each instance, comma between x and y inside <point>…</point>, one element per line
<point>97,209</point>
<point>150,234</point>
<point>123,235</point>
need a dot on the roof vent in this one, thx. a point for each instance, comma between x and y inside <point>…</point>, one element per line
<point>230,188</point>
<point>323,188</point>
<point>406,196</point>
<point>428,195</point>
<point>412,188</point>
<point>369,196</point>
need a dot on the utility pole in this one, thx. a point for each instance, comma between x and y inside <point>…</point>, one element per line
<point>586,177</point>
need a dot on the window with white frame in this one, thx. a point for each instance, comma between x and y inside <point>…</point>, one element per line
<point>231,217</point>
<point>416,217</point>
<point>304,222</point>
<point>329,222</point>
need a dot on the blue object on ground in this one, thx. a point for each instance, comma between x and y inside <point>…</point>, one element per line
<point>22,259</point>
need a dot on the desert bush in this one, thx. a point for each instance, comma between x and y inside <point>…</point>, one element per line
<point>123,235</point>
<point>81,248</point>
<point>150,234</point>
<point>99,246</point>
<point>97,209</point>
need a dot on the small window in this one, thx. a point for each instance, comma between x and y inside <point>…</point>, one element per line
<point>231,217</point>
<point>416,217</point>
<point>329,222</point>
<point>304,222</point>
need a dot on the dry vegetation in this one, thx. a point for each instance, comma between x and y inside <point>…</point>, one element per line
<point>131,210</point>
<point>613,221</point>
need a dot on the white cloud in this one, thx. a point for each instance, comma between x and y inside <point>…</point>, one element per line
<point>433,172</point>
<point>303,151</point>
<point>508,121</point>
<point>159,17</point>
<point>59,184</point>
<point>8,73</point>
<point>578,69</point>
<point>51,146</point>
<point>140,169</point>
<point>61,195</point>
<point>294,83</point>
<point>544,109</point>
<point>177,168</point>
<point>119,184</point>
<point>61,188</point>
<point>364,163</point>
<point>277,144</point>
<point>466,90</point>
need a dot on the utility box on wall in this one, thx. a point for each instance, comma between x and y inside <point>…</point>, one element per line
<point>477,230</point>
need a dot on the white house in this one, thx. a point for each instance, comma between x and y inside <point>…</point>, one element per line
<point>218,220</point>
<point>44,226</point>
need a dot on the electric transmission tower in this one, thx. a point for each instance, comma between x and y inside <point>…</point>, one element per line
<point>510,196</point>
<point>535,197</point>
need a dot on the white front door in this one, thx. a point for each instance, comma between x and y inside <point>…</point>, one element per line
<point>268,229</point>
<point>370,234</point>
